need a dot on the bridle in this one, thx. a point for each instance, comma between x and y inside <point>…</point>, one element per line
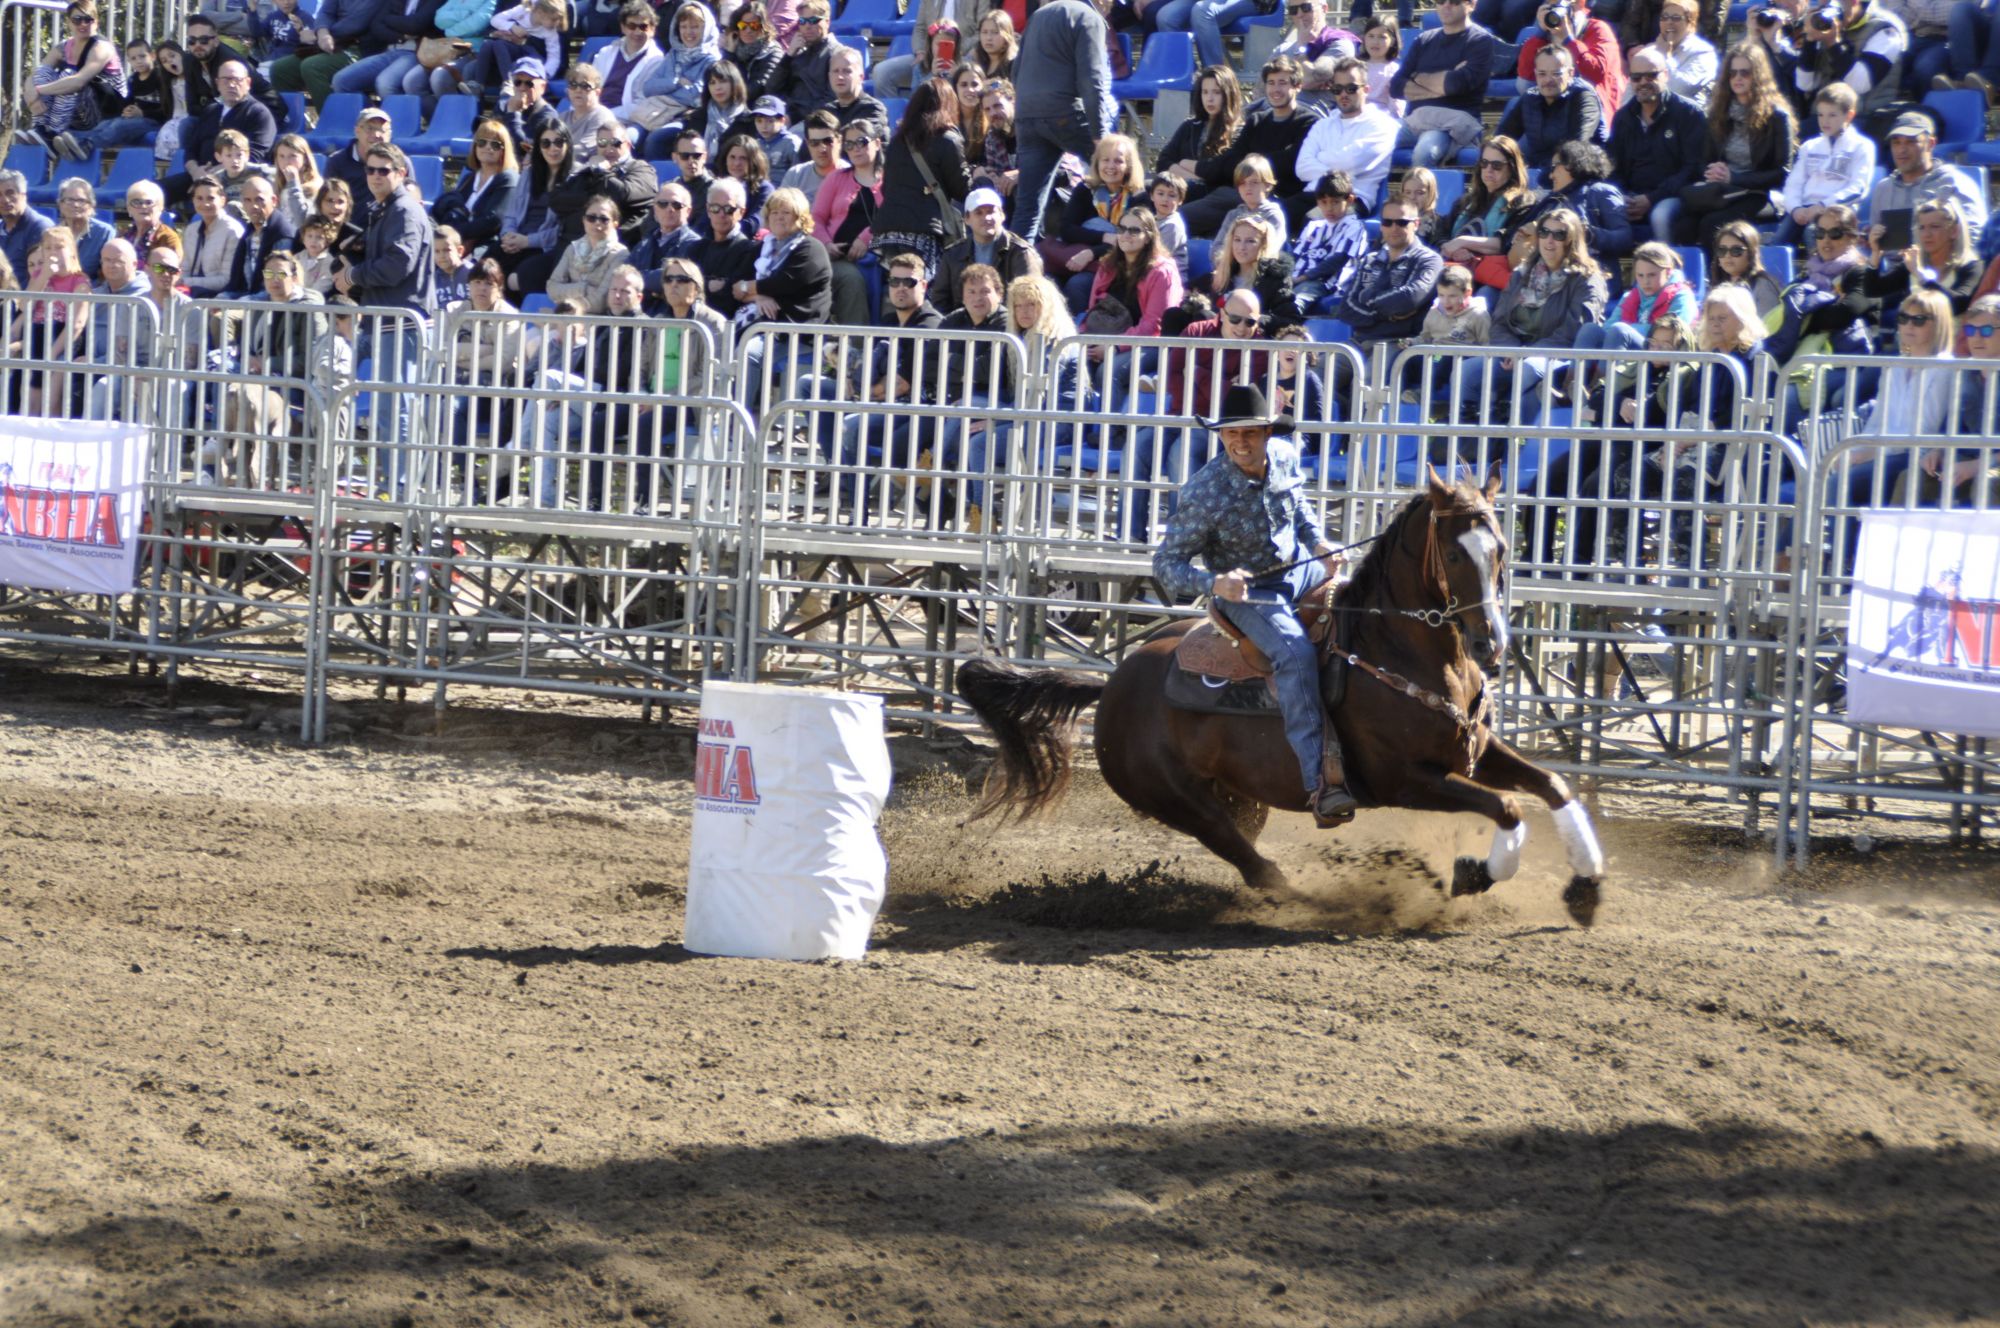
<point>1433,569</point>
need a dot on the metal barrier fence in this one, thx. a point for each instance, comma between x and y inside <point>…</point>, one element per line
<point>624,507</point>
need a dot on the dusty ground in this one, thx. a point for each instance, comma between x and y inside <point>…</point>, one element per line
<point>397,1032</point>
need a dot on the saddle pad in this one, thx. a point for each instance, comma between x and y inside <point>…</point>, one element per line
<point>1208,652</point>
<point>1220,696</point>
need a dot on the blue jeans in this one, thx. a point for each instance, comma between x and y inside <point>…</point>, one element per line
<point>1361,11</point>
<point>1975,41</point>
<point>123,132</point>
<point>1663,218</point>
<point>1267,618</point>
<point>1208,20</point>
<point>1926,58</point>
<point>1505,18</point>
<point>1171,15</point>
<point>1039,142</point>
<point>1618,336</point>
<point>384,75</point>
<point>1426,149</point>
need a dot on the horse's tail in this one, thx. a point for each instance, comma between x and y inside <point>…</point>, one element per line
<point>1032,714</point>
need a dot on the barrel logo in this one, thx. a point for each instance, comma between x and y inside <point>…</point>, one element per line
<point>725,771</point>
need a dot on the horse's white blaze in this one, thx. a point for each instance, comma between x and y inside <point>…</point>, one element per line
<point>1579,841</point>
<point>1504,858</point>
<point>1484,549</point>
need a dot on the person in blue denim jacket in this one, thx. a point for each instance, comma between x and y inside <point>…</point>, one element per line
<point>1247,517</point>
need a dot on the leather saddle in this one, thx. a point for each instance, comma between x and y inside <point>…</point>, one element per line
<point>1215,649</point>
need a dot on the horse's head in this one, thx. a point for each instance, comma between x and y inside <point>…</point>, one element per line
<point>1469,553</point>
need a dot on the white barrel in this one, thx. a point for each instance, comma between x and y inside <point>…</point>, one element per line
<point>785,862</point>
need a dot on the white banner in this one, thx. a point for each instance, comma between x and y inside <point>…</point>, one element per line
<point>1923,633</point>
<point>70,493</point>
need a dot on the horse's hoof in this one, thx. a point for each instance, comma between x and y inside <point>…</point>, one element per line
<point>1469,876</point>
<point>1581,899</point>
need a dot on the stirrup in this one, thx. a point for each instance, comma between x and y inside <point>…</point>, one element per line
<point>1334,806</point>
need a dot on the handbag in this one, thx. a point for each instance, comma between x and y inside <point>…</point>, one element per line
<point>1704,195</point>
<point>657,112</point>
<point>1106,318</point>
<point>437,52</point>
<point>949,216</point>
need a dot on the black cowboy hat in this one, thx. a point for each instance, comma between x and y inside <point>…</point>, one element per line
<point>1243,406</point>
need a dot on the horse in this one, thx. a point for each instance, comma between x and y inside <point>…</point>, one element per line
<point>1426,628</point>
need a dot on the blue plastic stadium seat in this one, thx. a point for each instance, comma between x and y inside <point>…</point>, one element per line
<point>1166,61</point>
<point>538,303</point>
<point>406,116</point>
<point>587,53</point>
<point>427,173</point>
<point>450,131</point>
<point>895,106</point>
<point>875,17</point>
<point>128,168</point>
<point>1694,266</point>
<point>1329,330</point>
<point>30,161</point>
<point>1962,112</point>
<point>295,107</point>
<point>1201,260</point>
<point>1451,188</point>
<point>336,121</point>
<point>90,168</point>
<point>1778,261</point>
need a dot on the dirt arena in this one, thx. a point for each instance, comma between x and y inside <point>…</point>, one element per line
<point>397,1032</point>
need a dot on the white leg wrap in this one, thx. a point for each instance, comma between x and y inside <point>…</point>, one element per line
<point>1504,858</point>
<point>1579,841</point>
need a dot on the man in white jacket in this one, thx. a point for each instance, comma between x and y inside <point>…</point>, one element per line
<point>1358,138</point>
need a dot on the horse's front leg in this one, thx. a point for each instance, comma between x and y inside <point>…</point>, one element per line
<point>1503,767</point>
<point>1452,792</point>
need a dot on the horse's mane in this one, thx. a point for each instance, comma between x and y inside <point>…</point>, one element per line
<point>1371,578</point>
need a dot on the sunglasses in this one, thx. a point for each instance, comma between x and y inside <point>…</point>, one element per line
<point>855,142</point>
<point>1240,320</point>
<point>1912,320</point>
<point>722,209</point>
<point>689,156</point>
<point>1644,76</point>
<point>166,269</point>
<point>668,203</point>
<point>1490,164</point>
<point>903,283</point>
<point>277,272</point>
<point>526,82</point>
<point>810,20</point>
<point>601,218</point>
<point>488,143</point>
<point>1840,234</point>
<point>1131,230</point>
<point>1298,9</point>
<point>823,141</point>
<point>552,142</point>
<point>1405,221</point>
<point>679,279</point>
<point>1731,251</point>
<point>638,27</point>
<point>1741,73</point>
<point>201,41</point>
<point>1552,232</point>
<point>1346,89</point>
<point>380,170</point>
<point>1981,330</point>
<point>751,26</point>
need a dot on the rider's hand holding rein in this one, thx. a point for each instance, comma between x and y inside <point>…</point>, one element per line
<point>1330,558</point>
<point>1232,586</point>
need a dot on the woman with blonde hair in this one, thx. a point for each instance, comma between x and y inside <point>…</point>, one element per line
<point>1117,180</point>
<point>793,280</point>
<point>297,177</point>
<point>1942,258</point>
<point>1252,257</point>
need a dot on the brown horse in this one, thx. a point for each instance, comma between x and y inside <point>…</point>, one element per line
<point>1427,627</point>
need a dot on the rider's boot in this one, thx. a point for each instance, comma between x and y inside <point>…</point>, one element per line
<point>1333,805</point>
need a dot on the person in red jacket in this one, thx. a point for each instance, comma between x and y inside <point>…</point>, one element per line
<point>1592,42</point>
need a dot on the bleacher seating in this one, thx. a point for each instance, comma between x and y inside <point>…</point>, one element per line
<point>427,173</point>
<point>450,130</point>
<point>406,116</point>
<point>1201,260</point>
<point>1329,330</point>
<point>30,161</point>
<point>336,121</point>
<point>91,168</point>
<point>875,17</point>
<point>1694,266</point>
<point>128,168</point>
<point>1167,61</point>
<point>1962,113</point>
<point>1780,262</point>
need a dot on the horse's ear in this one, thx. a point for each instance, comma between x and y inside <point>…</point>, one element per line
<point>1440,491</point>
<point>1492,489</point>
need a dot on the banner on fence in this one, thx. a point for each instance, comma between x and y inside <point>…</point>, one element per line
<point>1923,635</point>
<point>70,495</point>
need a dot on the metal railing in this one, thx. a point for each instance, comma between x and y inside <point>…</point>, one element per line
<point>625,508</point>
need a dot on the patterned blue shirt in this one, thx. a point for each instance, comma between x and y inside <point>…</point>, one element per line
<point>1229,520</point>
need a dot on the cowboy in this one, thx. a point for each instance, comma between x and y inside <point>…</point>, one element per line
<point>1245,509</point>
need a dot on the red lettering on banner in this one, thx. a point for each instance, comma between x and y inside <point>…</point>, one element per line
<point>1976,625</point>
<point>725,773</point>
<point>60,516</point>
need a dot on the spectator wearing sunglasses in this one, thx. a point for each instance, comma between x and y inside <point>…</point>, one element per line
<point>1561,108</point>
<point>804,79</point>
<point>1655,142</point>
<point>753,47</point>
<point>1356,136</point>
<point>1965,472</point>
<point>1308,35</point>
<point>1836,247</point>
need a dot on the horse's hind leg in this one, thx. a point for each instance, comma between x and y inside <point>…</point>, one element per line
<point>1503,767</point>
<point>1226,823</point>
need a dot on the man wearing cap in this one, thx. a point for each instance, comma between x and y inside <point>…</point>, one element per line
<point>525,110</point>
<point>780,144</point>
<point>987,240</point>
<point>1916,178</point>
<point>350,164</point>
<point>1856,42</point>
<point>1247,517</point>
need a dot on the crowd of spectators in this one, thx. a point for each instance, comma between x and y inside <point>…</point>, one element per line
<point>744,165</point>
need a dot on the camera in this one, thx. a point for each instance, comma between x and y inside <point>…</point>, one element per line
<point>1557,17</point>
<point>1765,18</point>
<point>1824,17</point>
